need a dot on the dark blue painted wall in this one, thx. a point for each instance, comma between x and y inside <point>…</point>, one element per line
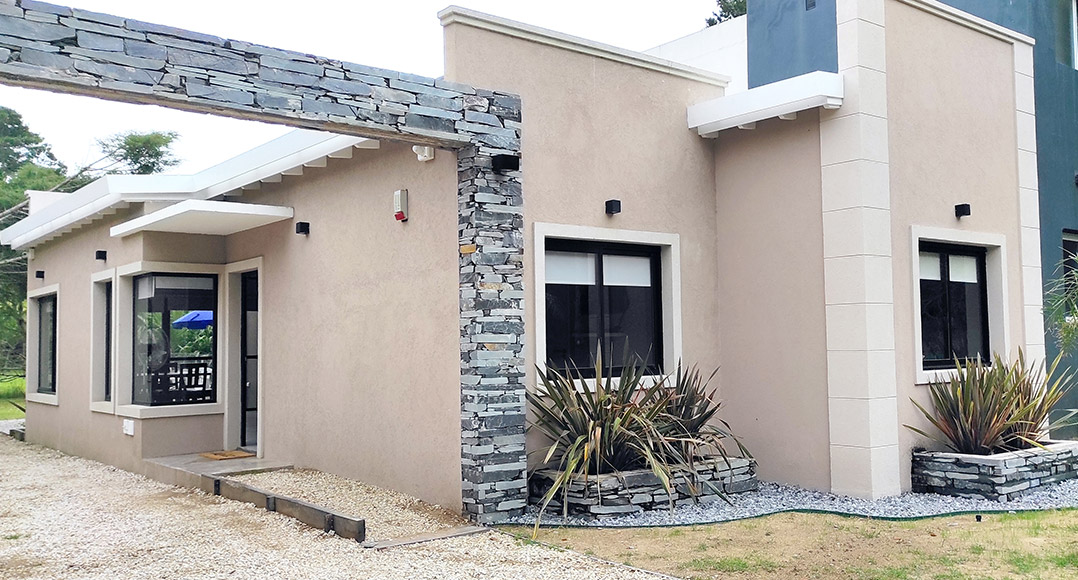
<point>1056,83</point>
<point>786,40</point>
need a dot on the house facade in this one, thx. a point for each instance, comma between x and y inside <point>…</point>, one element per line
<point>827,230</point>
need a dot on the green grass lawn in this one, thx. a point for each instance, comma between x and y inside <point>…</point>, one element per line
<point>12,391</point>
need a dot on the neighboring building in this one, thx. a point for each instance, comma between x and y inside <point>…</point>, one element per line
<point>800,234</point>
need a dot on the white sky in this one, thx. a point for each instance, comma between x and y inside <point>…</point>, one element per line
<point>402,35</point>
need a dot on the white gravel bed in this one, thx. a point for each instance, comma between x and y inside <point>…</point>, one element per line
<point>775,498</point>
<point>388,514</point>
<point>72,518</point>
<point>8,424</point>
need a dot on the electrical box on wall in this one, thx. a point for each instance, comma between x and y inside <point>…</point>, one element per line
<point>400,205</point>
<point>129,427</point>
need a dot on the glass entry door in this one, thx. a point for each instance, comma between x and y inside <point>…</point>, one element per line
<point>249,360</point>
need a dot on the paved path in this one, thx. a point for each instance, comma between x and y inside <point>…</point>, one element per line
<point>67,517</point>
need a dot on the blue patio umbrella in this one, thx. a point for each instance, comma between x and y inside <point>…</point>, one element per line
<point>194,319</point>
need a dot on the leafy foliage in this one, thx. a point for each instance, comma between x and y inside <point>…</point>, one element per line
<point>1061,303</point>
<point>139,153</point>
<point>983,409</point>
<point>20,146</point>
<point>633,422</point>
<point>728,9</point>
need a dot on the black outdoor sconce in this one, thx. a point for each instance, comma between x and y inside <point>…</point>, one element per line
<point>613,206</point>
<point>40,274</point>
<point>961,210</point>
<point>502,163</point>
<point>101,255</point>
<point>303,228</point>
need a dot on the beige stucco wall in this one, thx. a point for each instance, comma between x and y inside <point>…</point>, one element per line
<point>594,130</point>
<point>771,299</point>
<point>951,118</point>
<point>360,359</point>
<point>70,426</point>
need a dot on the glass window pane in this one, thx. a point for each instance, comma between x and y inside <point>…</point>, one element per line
<point>967,330</point>
<point>930,266</point>
<point>933,321</point>
<point>46,365</point>
<point>570,268</point>
<point>962,269</point>
<point>108,341</point>
<point>174,342</point>
<point>572,325</point>
<point>631,324</point>
<point>626,270</point>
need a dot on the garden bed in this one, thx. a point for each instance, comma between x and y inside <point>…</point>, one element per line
<point>1001,477</point>
<point>631,492</point>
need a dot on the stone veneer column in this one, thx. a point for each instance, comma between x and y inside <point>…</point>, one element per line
<point>859,290</point>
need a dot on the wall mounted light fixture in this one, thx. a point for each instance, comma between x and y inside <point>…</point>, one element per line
<point>303,228</point>
<point>961,210</point>
<point>101,255</point>
<point>500,163</point>
<point>40,274</point>
<point>613,206</point>
<point>423,152</point>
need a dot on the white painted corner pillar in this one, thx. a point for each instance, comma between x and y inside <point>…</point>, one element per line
<point>859,290</point>
<point>1029,203</point>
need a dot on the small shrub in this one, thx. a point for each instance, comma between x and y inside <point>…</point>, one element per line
<point>983,409</point>
<point>634,422</point>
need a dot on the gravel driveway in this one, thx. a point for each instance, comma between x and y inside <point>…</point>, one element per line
<point>67,517</point>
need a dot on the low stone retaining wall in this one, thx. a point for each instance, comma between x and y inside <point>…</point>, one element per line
<point>636,491</point>
<point>1002,477</point>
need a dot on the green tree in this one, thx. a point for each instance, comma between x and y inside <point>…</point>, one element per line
<point>727,9</point>
<point>27,163</point>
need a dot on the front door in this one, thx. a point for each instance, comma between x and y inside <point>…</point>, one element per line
<point>249,361</point>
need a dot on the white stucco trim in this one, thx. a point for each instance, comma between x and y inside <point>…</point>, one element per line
<point>289,153</point>
<point>146,412</point>
<point>999,324</point>
<point>206,217</point>
<point>970,21</point>
<point>670,245</point>
<point>232,373</point>
<point>778,99</point>
<point>98,404</point>
<point>456,14</point>
<point>32,354</point>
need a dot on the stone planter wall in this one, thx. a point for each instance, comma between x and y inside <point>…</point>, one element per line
<point>633,492</point>
<point>1002,477</point>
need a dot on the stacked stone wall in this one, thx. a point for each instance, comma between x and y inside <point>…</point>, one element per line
<point>632,492</point>
<point>1002,477</point>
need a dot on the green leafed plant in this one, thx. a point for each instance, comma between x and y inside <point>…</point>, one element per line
<point>988,408</point>
<point>607,425</point>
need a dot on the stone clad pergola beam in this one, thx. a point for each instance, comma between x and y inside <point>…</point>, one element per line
<point>66,50</point>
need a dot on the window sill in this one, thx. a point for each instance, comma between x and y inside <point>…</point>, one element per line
<point>103,407</point>
<point>43,398</point>
<point>145,412</point>
<point>925,377</point>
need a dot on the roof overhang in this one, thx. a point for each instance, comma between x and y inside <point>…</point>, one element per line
<point>200,216</point>
<point>286,155</point>
<point>779,99</point>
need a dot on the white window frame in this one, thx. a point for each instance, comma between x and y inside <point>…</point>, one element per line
<point>999,335</point>
<point>231,367</point>
<point>123,292</point>
<point>670,255</point>
<point>98,404</point>
<point>32,352</point>
<point>1074,33</point>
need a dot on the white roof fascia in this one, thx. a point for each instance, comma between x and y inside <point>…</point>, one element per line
<point>263,162</point>
<point>456,14</point>
<point>800,93</point>
<point>211,217</point>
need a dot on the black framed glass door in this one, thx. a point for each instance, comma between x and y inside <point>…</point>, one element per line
<point>249,360</point>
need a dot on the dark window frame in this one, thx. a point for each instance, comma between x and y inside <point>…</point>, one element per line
<point>52,344</point>
<point>213,398</point>
<point>945,250</point>
<point>612,361</point>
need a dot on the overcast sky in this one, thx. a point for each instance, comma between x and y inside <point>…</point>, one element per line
<point>401,35</point>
